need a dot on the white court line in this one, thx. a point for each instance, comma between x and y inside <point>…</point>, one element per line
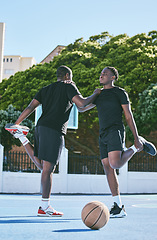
<point>152,205</point>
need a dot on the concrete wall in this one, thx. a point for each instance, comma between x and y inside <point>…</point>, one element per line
<point>130,182</point>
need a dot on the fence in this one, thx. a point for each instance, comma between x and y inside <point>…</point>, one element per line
<point>25,179</point>
<point>78,164</point>
<point>19,162</point>
<point>143,162</point>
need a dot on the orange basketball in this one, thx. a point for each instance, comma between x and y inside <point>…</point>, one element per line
<point>95,215</point>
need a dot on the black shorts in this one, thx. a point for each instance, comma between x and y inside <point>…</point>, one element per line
<point>48,144</point>
<point>111,140</point>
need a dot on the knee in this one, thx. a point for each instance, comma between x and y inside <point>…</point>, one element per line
<point>115,159</point>
<point>48,168</point>
<point>46,172</point>
<point>106,166</point>
<point>114,164</point>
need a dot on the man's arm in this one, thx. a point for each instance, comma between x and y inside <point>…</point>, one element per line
<point>132,125</point>
<point>28,110</point>
<point>82,102</point>
<point>88,107</point>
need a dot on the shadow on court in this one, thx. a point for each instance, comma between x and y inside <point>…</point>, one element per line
<point>30,219</point>
<point>73,230</point>
<point>18,218</point>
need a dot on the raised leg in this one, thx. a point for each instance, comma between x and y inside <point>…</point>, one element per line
<point>30,151</point>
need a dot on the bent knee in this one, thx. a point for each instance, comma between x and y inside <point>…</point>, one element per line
<point>114,164</point>
<point>106,166</point>
<point>115,159</point>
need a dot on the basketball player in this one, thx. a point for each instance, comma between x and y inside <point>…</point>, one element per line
<point>57,100</point>
<point>110,104</point>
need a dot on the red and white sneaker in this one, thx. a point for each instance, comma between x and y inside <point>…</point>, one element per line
<point>17,130</point>
<point>49,212</point>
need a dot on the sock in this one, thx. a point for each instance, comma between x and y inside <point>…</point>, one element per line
<point>45,202</point>
<point>134,148</point>
<point>117,199</point>
<point>23,140</point>
<point>124,147</point>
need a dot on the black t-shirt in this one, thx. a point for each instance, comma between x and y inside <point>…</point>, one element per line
<point>109,108</point>
<point>56,100</point>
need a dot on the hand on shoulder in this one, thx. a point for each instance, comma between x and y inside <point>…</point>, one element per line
<point>68,81</point>
<point>97,91</point>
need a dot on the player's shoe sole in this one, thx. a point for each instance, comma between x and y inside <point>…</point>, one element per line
<point>148,146</point>
<point>49,212</point>
<point>16,129</point>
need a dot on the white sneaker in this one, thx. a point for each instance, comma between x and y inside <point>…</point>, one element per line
<point>49,212</point>
<point>17,130</point>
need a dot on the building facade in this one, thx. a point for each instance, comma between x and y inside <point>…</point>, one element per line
<point>52,54</point>
<point>2,33</point>
<point>13,64</point>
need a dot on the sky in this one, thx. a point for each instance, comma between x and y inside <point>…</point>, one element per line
<point>33,28</point>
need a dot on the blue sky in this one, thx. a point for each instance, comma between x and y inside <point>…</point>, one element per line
<point>35,27</point>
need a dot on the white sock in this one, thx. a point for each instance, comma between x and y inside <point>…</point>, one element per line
<point>24,140</point>
<point>134,148</point>
<point>45,202</point>
<point>117,199</point>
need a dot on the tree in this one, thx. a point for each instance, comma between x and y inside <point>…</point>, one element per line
<point>134,57</point>
<point>9,116</point>
<point>21,88</point>
<point>147,110</point>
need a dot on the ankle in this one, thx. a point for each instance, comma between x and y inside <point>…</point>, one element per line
<point>24,140</point>
<point>45,203</point>
<point>117,199</point>
<point>134,148</point>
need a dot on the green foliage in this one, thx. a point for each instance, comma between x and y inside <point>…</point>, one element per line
<point>10,115</point>
<point>145,113</point>
<point>21,88</point>
<point>147,109</point>
<point>134,57</point>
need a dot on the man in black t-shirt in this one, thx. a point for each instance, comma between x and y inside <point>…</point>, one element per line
<point>111,103</point>
<point>57,100</point>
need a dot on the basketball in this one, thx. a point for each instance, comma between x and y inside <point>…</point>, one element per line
<point>95,215</point>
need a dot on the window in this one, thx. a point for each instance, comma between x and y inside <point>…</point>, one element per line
<point>3,59</point>
<point>8,71</point>
<point>7,59</point>
<point>11,59</point>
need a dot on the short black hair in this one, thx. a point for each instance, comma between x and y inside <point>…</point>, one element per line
<point>63,70</point>
<point>114,71</point>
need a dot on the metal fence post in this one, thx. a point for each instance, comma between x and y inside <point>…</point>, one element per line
<point>1,166</point>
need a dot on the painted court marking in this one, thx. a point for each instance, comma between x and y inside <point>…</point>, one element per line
<point>152,205</point>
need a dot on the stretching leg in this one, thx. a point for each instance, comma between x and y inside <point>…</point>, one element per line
<point>30,151</point>
<point>117,159</point>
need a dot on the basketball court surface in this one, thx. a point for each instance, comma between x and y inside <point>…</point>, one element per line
<point>18,218</point>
